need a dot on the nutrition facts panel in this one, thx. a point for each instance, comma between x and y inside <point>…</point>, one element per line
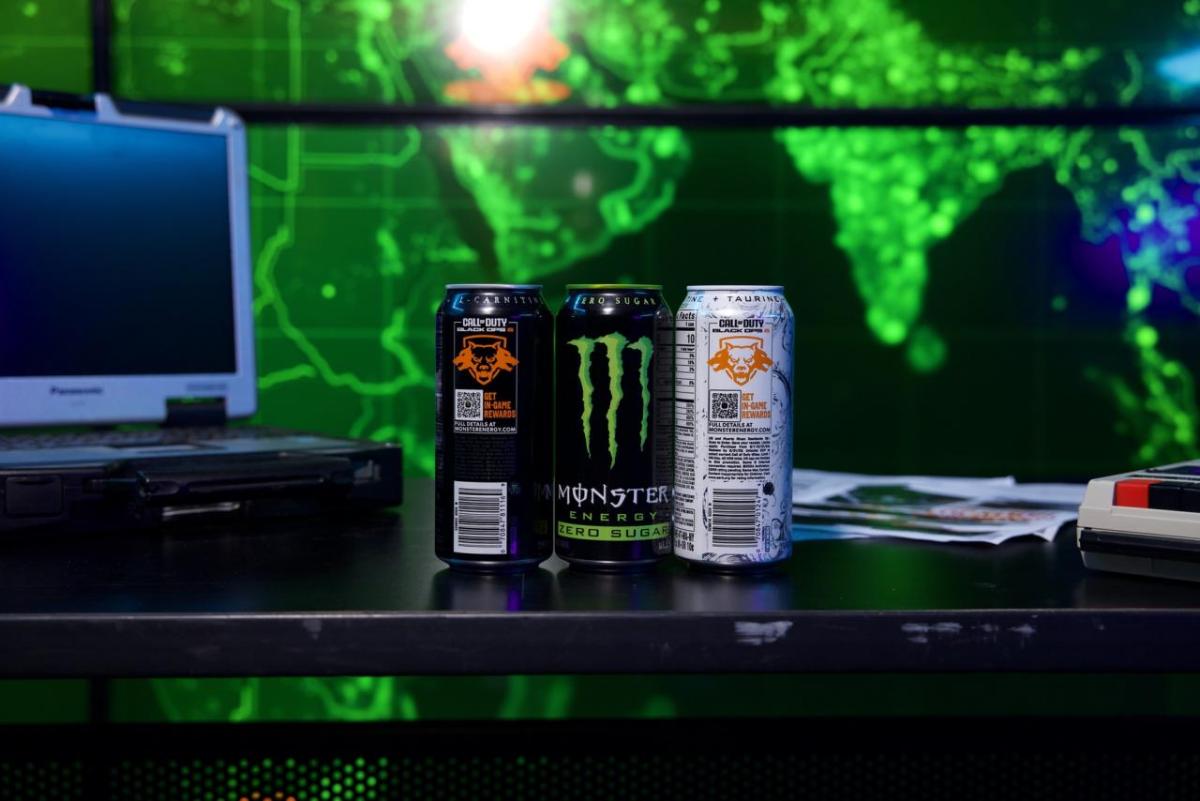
<point>685,430</point>
<point>685,385</point>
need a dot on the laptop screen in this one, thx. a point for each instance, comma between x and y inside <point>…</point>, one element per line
<point>115,251</point>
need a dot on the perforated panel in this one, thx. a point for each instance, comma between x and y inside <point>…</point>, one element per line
<point>654,777</point>
<point>29,780</point>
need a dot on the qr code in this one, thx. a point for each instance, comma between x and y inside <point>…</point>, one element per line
<point>468,404</point>
<point>724,405</point>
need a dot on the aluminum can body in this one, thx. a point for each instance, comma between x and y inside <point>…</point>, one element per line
<point>614,429</point>
<point>493,491</point>
<point>733,429</point>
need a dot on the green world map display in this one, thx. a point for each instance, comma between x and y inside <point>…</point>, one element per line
<point>357,229</point>
<point>970,299</point>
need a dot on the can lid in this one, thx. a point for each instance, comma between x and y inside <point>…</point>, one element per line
<point>493,286</point>
<point>614,286</point>
<point>752,287</point>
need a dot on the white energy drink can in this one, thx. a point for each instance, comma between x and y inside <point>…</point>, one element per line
<point>733,427</point>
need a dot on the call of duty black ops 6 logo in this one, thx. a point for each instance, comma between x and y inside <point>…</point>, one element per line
<point>485,382</point>
<point>605,425</point>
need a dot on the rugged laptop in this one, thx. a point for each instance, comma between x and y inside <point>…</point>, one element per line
<point>125,297</point>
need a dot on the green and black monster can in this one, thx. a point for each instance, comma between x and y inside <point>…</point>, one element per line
<point>614,417</point>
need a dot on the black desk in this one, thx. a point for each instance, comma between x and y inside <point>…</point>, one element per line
<point>321,597</point>
<point>367,596</point>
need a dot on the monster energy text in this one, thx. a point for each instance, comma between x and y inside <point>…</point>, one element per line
<point>613,418</point>
<point>611,496</point>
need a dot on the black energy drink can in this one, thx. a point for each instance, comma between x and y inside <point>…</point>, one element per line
<point>494,496</point>
<point>614,421</point>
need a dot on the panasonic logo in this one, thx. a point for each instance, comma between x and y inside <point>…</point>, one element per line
<point>76,390</point>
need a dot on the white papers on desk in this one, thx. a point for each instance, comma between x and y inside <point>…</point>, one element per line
<point>829,505</point>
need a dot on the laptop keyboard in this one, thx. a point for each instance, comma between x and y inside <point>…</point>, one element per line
<point>131,439</point>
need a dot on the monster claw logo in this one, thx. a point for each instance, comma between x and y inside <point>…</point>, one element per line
<point>740,357</point>
<point>615,345</point>
<point>485,356</point>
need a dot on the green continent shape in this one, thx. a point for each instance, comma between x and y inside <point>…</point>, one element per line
<point>1122,181</point>
<point>615,344</point>
<point>897,193</point>
<point>617,181</point>
<point>646,348</point>
<point>585,346</point>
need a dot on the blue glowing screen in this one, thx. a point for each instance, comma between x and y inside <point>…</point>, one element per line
<point>115,251</point>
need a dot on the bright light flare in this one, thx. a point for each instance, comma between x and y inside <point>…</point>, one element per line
<point>1182,68</point>
<point>501,27</point>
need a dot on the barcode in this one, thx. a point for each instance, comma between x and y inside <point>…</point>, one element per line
<point>735,518</point>
<point>480,516</point>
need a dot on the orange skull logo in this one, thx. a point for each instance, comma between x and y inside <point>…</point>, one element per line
<point>484,356</point>
<point>740,357</point>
